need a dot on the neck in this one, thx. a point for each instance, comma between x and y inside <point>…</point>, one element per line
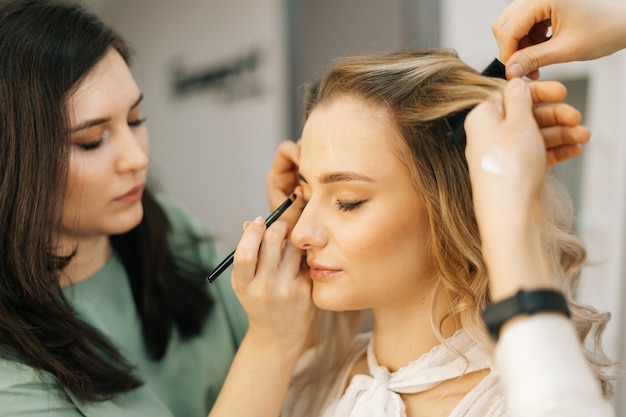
<point>403,334</point>
<point>91,255</point>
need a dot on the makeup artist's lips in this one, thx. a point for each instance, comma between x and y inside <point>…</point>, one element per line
<point>320,272</point>
<point>132,196</point>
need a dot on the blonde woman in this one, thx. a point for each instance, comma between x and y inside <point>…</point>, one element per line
<point>389,230</point>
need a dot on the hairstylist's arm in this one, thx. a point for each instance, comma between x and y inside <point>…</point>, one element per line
<point>581,30</point>
<point>539,359</point>
<point>277,299</point>
<point>507,158</point>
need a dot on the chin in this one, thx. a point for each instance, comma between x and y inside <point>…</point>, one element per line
<point>128,221</point>
<point>331,299</point>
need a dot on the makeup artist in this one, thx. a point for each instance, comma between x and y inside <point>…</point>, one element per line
<point>390,227</point>
<point>104,307</point>
<point>580,30</point>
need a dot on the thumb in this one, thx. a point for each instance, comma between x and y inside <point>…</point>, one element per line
<point>531,58</point>
<point>518,102</point>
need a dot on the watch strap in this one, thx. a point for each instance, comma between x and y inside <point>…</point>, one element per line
<point>523,302</point>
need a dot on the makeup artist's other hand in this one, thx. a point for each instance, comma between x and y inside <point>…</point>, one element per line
<point>581,30</point>
<point>282,181</point>
<point>274,293</point>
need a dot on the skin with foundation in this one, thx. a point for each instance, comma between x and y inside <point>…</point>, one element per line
<point>107,169</point>
<point>365,235</point>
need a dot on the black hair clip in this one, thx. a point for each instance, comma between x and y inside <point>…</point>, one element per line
<point>455,121</point>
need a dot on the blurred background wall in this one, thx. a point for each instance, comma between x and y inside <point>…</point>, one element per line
<point>223,81</point>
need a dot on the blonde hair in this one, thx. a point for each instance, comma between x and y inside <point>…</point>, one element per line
<point>420,89</point>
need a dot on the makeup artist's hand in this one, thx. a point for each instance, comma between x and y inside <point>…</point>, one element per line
<point>507,159</point>
<point>274,293</point>
<point>581,30</point>
<point>282,181</point>
<point>277,299</point>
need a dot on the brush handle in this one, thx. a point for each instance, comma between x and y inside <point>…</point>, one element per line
<point>268,222</point>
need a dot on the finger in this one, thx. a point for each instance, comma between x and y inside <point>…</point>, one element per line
<point>514,24</point>
<point>292,214</point>
<point>556,136</point>
<point>282,177</point>
<point>518,101</point>
<point>547,91</point>
<point>526,60</point>
<point>510,27</point>
<point>556,114</point>
<point>271,253</point>
<point>563,153</point>
<point>247,252</point>
<point>290,268</point>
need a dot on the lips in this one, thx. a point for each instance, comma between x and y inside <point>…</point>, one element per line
<point>320,272</point>
<point>133,195</point>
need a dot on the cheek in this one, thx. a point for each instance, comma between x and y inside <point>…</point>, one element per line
<point>143,139</point>
<point>87,180</point>
<point>399,245</point>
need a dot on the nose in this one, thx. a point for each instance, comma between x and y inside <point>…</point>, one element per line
<point>133,149</point>
<point>309,232</point>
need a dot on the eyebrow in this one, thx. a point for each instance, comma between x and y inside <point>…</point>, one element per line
<point>95,122</point>
<point>333,177</point>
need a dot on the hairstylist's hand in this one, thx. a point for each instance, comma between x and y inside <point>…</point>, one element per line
<point>274,293</point>
<point>559,123</point>
<point>507,161</point>
<point>505,153</point>
<point>581,30</point>
<point>282,181</point>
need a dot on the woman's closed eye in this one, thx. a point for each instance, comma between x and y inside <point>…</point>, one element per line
<point>89,146</point>
<point>138,122</point>
<point>349,205</point>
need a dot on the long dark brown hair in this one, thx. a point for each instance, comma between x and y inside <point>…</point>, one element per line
<point>46,48</point>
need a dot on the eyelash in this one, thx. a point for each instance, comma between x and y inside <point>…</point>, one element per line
<point>138,122</point>
<point>349,205</point>
<point>94,145</point>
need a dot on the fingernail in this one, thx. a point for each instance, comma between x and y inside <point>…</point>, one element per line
<point>517,84</point>
<point>259,220</point>
<point>516,71</point>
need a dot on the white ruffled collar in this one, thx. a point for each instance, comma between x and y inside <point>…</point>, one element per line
<point>378,394</point>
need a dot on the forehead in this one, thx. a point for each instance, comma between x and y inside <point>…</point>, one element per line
<point>109,87</point>
<point>349,131</point>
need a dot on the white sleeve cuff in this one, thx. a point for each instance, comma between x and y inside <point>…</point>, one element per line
<point>544,372</point>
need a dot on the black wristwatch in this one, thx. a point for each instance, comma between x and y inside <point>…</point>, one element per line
<point>524,302</point>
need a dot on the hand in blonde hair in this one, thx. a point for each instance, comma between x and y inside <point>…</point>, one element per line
<point>559,123</point>
<point>581,30</point>
<point>510,143</point>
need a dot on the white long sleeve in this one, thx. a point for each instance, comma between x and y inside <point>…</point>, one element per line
<point>544,372</point>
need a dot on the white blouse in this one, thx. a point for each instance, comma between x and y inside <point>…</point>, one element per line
<point>378,394</point>
<point>539,371</point>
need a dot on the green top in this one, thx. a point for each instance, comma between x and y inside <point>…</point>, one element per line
<point>185,383</point>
